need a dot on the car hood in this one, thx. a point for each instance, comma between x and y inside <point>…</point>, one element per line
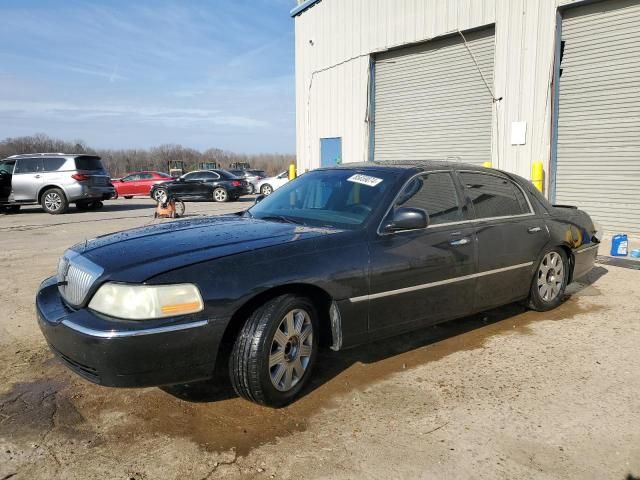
<point>141,253</point>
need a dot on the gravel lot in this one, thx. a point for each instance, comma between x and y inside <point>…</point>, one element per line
<point>506,394</point>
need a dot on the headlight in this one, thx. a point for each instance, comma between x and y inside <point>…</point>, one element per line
<point>140,302</point>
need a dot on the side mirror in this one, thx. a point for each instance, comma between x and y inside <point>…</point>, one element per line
<point>406,218</point>
<point>258,199</point>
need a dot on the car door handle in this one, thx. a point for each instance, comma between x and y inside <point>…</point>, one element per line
<point>37,176</point>
<point>461,241</point>
<point>534,229</point>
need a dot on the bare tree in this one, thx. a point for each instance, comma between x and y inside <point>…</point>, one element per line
<point>119,162</point>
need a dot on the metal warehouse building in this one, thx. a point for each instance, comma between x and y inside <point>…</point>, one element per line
<point>506,81</point>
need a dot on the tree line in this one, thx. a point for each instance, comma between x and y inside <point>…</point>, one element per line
<point>119,162</point>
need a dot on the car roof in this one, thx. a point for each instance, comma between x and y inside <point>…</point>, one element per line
<point>424,165</point>
<point>72,155</point>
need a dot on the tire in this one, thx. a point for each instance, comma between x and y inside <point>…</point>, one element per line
<point>180,209</point>
<point>266,189</point>
<point>220,195</point>
<point>97,205</point>
<point>252,189</point>
<point>267,334</point>
<point>83,206</point>
<point>128,197</point>
<point>114,196</point>
<point>160,195</point>
<point>549,281</point>
<point>54,201</point>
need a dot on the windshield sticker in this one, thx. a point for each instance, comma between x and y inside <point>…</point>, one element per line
<point>364,180</point>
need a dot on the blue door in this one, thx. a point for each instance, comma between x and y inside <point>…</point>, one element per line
<point>330,151</point>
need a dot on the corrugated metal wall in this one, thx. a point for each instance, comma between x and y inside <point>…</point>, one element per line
<point>598,160</point>
<point>335,38</point>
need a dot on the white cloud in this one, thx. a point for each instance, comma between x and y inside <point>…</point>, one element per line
<point>178,117</point>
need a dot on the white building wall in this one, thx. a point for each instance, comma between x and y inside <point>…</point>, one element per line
<point>335,39</point>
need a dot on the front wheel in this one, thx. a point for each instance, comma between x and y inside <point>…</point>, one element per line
<point>54,201</point>
<point>128,197</point>
<point>549,281</point>
<point>275,351</point>
<point>220,195</point>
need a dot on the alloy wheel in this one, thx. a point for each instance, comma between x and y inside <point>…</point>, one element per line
<point>160,196</point>
<point>52,201</point>
<point>550,276</point>
<point>291,350</point>
<point>220,195</point>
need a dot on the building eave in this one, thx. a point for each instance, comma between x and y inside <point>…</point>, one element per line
<point>302,7</point>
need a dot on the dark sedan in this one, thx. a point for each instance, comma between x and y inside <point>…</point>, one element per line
<point>216,185</point>
<point>338,257</point>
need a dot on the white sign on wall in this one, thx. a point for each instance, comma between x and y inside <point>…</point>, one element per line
<point>518,133</point>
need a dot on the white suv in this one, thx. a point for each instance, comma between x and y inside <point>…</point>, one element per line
<point>53,180</point>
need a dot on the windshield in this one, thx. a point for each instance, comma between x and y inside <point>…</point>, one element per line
<point>341,198</point>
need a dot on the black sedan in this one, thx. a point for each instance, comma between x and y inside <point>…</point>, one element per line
<point>216,185</point>
<point>338,257</point>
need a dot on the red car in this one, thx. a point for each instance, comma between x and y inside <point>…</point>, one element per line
<point>138,183</point>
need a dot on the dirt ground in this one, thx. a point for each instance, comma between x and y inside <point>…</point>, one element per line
<point>506,394</point>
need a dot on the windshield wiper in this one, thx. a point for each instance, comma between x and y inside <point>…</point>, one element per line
<point>281,218</point>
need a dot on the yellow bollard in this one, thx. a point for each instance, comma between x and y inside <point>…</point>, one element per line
<point>487,165</point>
<point>292,171</point>
<point>537,175</point>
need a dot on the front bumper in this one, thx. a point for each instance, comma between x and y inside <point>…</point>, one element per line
<point>120,353</point>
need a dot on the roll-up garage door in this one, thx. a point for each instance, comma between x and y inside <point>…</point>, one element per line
<point>431,102</point>
<point>598,152</point>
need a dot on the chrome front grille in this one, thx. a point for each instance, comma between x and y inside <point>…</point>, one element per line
<point>76,275</point>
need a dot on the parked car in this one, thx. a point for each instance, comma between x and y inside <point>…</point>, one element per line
<point>267,186</point>
<point>251,176</point>
<point>139,183</point>
<point>343,255</point>
<point>216,185</point>
<point>53,180</point>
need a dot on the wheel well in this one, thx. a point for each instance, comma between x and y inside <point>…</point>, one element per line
<point>48,187</point>
<point>321,299</point>
<point>572,260</point>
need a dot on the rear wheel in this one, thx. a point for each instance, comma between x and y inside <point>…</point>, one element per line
<point>549,281</point>
<point>275,351</point>
<point>128,197</point>
<point>160,195</point>
<point>54,201</point>
<point>266,189</point>
<point>220,195</point>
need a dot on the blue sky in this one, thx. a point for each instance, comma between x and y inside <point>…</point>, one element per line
<point>125,73</point>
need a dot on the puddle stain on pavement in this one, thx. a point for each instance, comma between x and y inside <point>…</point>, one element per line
<point>211,417</point>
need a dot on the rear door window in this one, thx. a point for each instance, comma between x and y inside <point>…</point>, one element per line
<point>53,164</point>
<point>493,196</point>
<point>89,163</point>
<point>28,165</point>
<point>436,194</point>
